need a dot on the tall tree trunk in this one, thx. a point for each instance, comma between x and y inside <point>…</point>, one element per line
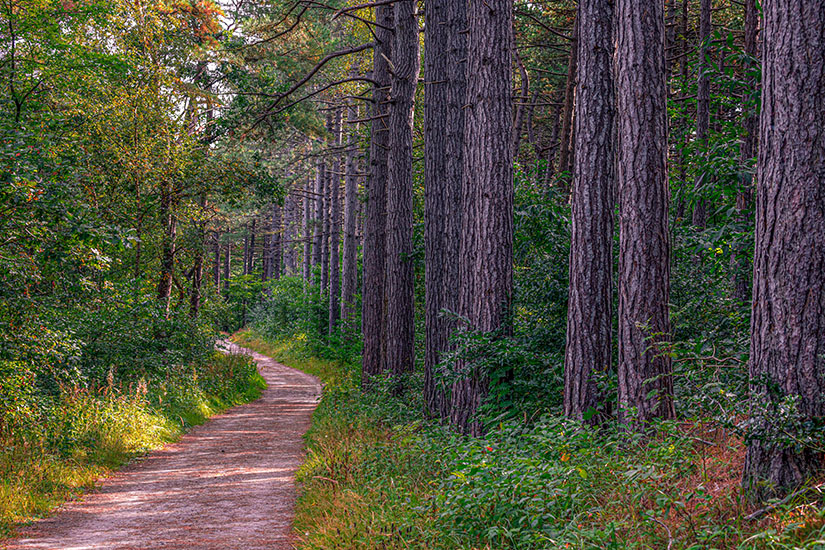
<point>565,157</point>
<point>589,321</point>
<point>227,264</point>
<point>216,272</point>
<point>250,267</point>
<point>372,318</point>
<point>325,230</point>
<point>645,372</point>
<point>276,244</point>
<point>486,258</point>
<point>168,247</point>
<point>552,146</point>
<point>399,257</point>
<point>700,209</point>
<point>245,262</point>
<point>350,260</point>
<point>200,253</point>
<point>335,227</point>
<point>740,264</point>
<point>787,361</point>
<point>290,234</point>
<point>445,50</point>
<point>266,253</point>
<point>307,235</point>
<point>318,224</point>
<point>521,108</point>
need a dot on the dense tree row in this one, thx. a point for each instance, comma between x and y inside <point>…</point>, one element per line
<point>444,183</point>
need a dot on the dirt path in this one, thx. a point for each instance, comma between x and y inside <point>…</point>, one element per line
<point>226,485</point>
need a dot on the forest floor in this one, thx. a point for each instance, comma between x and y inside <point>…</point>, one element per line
<point>228,484</point>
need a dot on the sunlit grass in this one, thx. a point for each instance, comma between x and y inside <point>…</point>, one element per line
<point>90,433</point>
<point>374,481</point>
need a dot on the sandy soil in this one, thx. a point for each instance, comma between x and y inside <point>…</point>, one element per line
<point>228,484</point>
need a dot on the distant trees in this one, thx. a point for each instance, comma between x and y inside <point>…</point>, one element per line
<point>787,368</point>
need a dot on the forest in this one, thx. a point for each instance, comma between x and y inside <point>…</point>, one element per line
<point>558,264</point>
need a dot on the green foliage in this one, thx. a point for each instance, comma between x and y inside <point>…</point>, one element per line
<point>378,477</point>
<point>54,446</point>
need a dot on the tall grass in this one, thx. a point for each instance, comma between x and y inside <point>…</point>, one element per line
<point>378,477</point>
<point>54,448</point>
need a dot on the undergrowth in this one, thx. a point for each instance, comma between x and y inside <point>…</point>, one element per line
<point>378,477</point>
<point>52,448</point>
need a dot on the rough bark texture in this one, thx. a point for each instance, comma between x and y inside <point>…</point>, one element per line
<point>740,262</point>
<point>589,321</point>
<point>335,228</point>
<point>372,318</point>
<point>350,256</point>
<point>645,374</point>
<point>399,279</point>
<point>788,316</point>
<point>486,257</point>
<point>700,209</point>
<point>445,48</point>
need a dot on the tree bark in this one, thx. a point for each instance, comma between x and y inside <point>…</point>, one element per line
<point>307,258</point>
<point>169,245</point>
<point>325,226</point>
<point>565,157</point>
<point>275,244</point>
<point>521,108</point>
<point>196,293</point>
<point>245,261</point>
<point>645,372</point>
<point>486,257</point>
<point>589,321</point>
<point>227,265</point>
<point>372,318</point>
<point>700,209</point>
<point>350,259</point>
<point>317,222</point>
<point>266,252</point>
<point>400,327</point>
<point>445,47</point>
<point>290,234</point>
<point>216,270</point>
<point>787,359</point>
<point>335,228</point>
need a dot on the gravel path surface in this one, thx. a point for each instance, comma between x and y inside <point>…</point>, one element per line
<point>227,484</point>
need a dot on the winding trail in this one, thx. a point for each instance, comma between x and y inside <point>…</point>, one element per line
<point>226,485</point>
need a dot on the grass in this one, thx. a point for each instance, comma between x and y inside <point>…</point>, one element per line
<point>84,434</point>
<point>378,477</point>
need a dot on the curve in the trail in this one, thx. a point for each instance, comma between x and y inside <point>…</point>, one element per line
<point>226,485</point>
